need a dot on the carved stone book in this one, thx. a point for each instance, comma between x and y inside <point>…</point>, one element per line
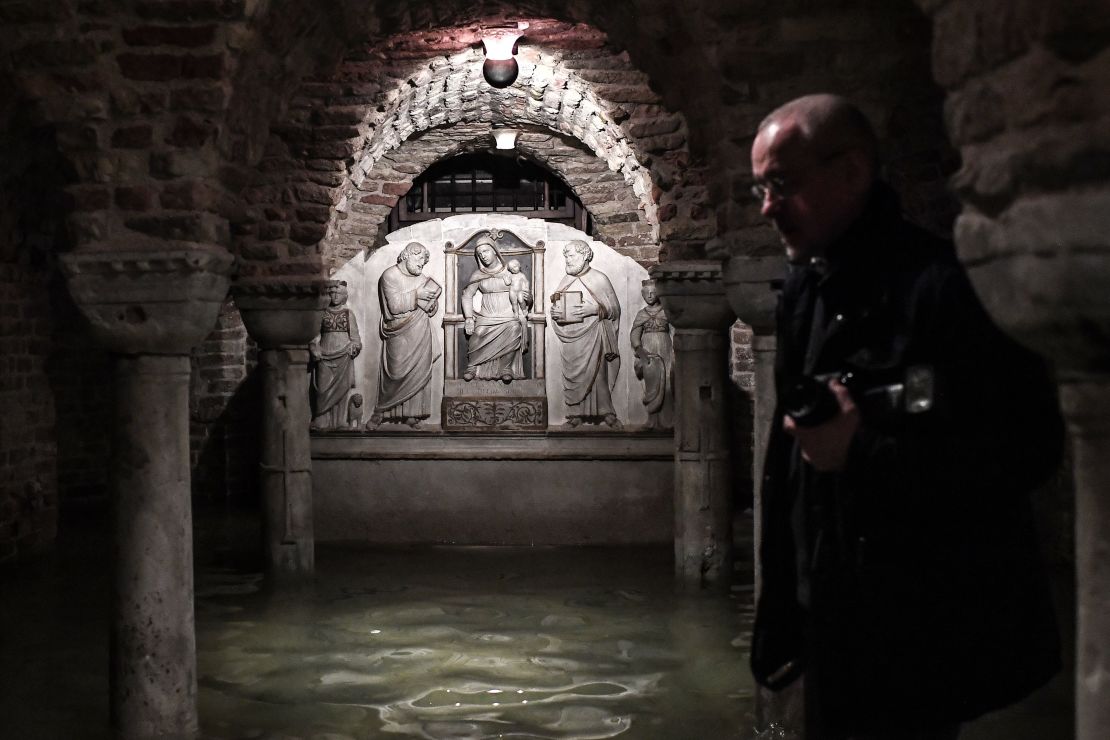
<point>426,305</point>
<point>564,307</point>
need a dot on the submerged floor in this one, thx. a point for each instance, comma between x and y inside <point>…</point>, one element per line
<point>403,642</point>
<point>419,642</point>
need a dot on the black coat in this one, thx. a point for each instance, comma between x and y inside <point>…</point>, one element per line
<point>908,585</point>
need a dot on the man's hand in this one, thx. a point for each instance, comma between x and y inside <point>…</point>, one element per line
<point>427,294</point>
<point>468,325</point>
<point>825,446</point>
<point>580,312</point>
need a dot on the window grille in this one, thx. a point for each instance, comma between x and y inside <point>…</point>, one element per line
<point>489,183</point>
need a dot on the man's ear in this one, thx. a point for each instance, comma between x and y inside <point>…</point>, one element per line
<point>858,170</point>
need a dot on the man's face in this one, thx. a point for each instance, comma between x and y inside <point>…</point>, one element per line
<point>339,295</point>
<point>648,292</point>
<point>576,261</point>
<point>415,261</point>
<point>485,254</point>
<point>806,196</point>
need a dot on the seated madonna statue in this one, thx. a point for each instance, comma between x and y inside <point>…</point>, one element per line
<point>495,336</point>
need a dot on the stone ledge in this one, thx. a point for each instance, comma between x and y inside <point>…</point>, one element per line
<point>553,444</point>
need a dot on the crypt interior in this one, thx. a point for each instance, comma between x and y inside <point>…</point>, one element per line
<point>518,528</point>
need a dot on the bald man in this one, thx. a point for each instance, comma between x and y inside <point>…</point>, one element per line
<point>900,570</point>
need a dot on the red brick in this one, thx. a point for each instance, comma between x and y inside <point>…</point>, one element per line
<point>93,198</point>
<point>136,198</point>
<point>396,188</point>
<point>186,36</point>
<point>150,67</point>
<point>190,10</point>
<point>190,132</point>
<point>133,137</point>
<point>210,66</point>
<point>307,233</point>
<point>379,200</point>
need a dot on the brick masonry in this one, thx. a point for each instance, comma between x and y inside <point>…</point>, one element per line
<point>287,137</point>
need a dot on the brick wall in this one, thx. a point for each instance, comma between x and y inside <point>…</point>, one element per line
<point>28,483</point>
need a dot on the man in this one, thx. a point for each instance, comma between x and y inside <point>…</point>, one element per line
<point>588,331</point>
<point>900,573</point>
<point>408,301</point>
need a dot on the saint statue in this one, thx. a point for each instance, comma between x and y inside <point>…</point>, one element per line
<point>496,332</point>
<point>408,300</point>
<point>333,353</point>
<point>651,341</point>
<point>586,313</point>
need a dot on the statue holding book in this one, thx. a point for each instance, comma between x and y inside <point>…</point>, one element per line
<point>408,300</point>
<point>586,313</point>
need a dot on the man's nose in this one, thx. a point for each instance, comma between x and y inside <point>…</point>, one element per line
<point>770,204</point>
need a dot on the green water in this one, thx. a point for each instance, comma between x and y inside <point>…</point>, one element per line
<point>471,643</point>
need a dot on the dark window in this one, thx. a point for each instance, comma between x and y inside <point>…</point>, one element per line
<point>489,183</point>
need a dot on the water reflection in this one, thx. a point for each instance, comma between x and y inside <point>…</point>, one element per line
<point>471,643</point>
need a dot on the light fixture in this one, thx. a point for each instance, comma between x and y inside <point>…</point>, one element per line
<point>500,67</point>
<point>504,139</point>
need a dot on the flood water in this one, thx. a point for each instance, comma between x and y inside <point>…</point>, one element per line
<point>472,643</point>
<point>432,642</point>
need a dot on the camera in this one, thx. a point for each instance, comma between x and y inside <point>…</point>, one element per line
<point>879,394</point>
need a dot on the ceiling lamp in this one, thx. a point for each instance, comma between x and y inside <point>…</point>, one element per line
<point>500,67</point>
<point>504,139</point>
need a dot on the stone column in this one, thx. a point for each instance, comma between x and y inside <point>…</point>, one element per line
<point>693,297</point>
<point>150,308</point>
<point>1086,406</point>
<point>283,317</point>
<point>1035,235</point>
<point>750,283</point>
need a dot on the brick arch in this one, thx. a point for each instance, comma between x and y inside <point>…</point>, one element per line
<point>340,128</point>
<point>361,215</point>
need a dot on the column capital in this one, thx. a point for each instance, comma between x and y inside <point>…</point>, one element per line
<point>692,294</point>
<point>149,301</point>
<point>282,313</point>
<point>749,285</point>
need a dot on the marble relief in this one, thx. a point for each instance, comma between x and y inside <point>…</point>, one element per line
<point>654,365</point>
<point>333,353</point>
<point>586,313</point>
<point>504,334</point>
<point>408,300</point>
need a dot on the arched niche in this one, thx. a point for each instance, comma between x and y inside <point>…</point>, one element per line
<point>490,483</point>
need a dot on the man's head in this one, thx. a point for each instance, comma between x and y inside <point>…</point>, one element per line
<point>647,290</point>
<point>577,254</point>
<point>814,161</point>
<point>514,266</point>
<point>414,256</point>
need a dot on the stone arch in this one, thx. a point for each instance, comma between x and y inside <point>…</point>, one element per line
<point>337,130</point>
<point>361,216</point>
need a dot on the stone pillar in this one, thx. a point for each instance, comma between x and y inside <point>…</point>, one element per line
<point>283,318</point>
<point>693,297</point>
<point>750,285</point>
<point>1035,235</point>
<point>150,308</point>
<point>1086,405</point>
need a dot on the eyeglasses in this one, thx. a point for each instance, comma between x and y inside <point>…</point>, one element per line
<point>776,186</point>
<point>780,186</point>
